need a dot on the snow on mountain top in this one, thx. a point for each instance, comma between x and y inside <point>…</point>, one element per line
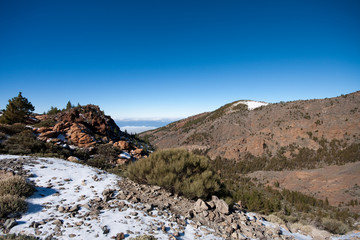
<point>251,104</point>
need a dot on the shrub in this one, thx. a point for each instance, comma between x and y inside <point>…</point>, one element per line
<point>2,136</point>
<point>11,204</point>
<point>334,226</point>
<point>23,143</point>
<point>99,162</point>
<point>45,123</point>
<point>17,237</point>
<point>12,129</point>
<point>177,171</point>
<point>16,185</point>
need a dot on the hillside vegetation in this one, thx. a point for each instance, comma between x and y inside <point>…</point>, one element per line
<point>287,135</point>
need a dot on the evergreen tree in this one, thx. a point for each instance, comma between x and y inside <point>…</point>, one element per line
<point>17,109</point>
<point>68,105</point>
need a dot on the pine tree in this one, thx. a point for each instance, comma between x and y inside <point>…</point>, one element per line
<point>17,109</point>
<point>68,105</point>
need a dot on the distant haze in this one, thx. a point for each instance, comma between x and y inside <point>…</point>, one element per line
<point>138,126</point>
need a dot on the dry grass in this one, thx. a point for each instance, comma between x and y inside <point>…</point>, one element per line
<point>17,186</point>
<point>11,204</point>
<point>17,237</point>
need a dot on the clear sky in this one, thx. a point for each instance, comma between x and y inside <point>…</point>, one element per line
<point>170,59</point>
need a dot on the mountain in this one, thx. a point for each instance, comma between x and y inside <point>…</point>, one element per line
<point>271,136</point>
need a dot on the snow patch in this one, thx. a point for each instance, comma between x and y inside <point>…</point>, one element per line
<point>64,183</point>
<point>251,104</point>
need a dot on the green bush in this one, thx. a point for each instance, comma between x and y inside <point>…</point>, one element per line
<point>334,226</point>
<point>2,136</point>
<point>177,171</point>
<point>22,143</point>
<point>11,204</point>
<point>16,185</point>
<point>25,143</point>
<point>12,129</point>
<point>45,123</point>
<point>99,162</point>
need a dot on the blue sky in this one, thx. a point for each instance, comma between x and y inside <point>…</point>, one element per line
<point>171,59</point>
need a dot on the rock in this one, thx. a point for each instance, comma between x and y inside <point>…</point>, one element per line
<point>220,205</point>
<point>122,161</point>
<point>73,159</point>
<point>123,145</point>
<point>200,206</point>
<point>79,223</point>
<point>120,236</point>
<point>49,134</point>
<point>58,222</point>
<point>43,129</point>
<point>138,151</point>
<point>72,235</point>
<point>61,209</point>
<point>10,223</point>
<point>211,204</point>
<point>35,224</point>
<point>74,208</point>
<point>105,229</point>
<point>108,194</point>
<point>81,136</point>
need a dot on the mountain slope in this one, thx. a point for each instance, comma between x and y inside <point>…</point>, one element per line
<point>282,130</point>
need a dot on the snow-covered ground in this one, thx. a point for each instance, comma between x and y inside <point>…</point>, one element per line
<point>65,184</point>
<point>251,104</point>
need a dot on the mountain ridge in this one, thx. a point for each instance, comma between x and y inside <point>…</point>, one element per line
<point>282,128</point>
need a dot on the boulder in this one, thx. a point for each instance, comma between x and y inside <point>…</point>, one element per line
<point>122,161</point>
<point>73,159</point>
<point>138,151</point>
<point>123,145</point>
<point>80,135</point>
<point>200,206</point>
<point>220,205</point>
<point>43,129</point>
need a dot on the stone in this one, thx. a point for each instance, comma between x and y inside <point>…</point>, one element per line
<point>49,134</point>
<point>200,206</point>
<point>58,222</point>
<point>10,223</point>
<point>220,205</point>
<point>79,223</point>
<point>105,229</point>
<point>120,236</point>
<point>73,159</point>
<point>35,224</point>
<point>122,161</point>
<point>123,145</point>
<point>74,208</point>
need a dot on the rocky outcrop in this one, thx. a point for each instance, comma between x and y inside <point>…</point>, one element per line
<point>86,126</point>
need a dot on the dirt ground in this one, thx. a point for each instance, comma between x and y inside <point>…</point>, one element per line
<point>340,184</point>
